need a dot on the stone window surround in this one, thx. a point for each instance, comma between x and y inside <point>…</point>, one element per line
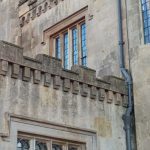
<point>21,124</point>
<point>76,18</point>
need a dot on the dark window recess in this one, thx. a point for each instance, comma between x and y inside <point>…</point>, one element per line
<point>56,147</point>
<point>23,144</point>
<point>40,146</point>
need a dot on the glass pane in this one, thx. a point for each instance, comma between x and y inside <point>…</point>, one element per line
<point>40,146</point>
<point>66,51</point>
<point>23,144</point>
<point>56,147</point>
<point>58,48</point>
<point>75,46</point>
<point>72,147</point>
<point>83,45</point>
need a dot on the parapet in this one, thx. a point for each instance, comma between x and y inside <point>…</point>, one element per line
<point>47,71</point>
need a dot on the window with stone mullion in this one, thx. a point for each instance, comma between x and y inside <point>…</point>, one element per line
<point>49,144</point>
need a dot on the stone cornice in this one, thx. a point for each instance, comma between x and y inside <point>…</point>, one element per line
<point>30,9</point>
<point>47,71</point>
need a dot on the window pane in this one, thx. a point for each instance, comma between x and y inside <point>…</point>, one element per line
<point>40,146</point>
<point>146,19</point>
<point>75,46</point>
<point>56,147</point>
<point>58,48</point>
<point>23,144</point>
<point>72,147</point>
<point>83,45</point>
<point>66,51</point>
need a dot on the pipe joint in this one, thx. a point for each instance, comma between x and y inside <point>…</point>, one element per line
<point>121,43</point>
<point>127,119</point>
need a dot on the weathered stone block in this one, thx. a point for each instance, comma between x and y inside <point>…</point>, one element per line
<point>50,64</point>
<point>84,90</point>
<point>15,70</point>
<point>47,79</point>
<point>66,85</point>
<point>125,101</point>
<point>117,84</point>
<point>11,52</point>
<point>3,67</point>
<point>26,74</point>
<point>37,76</point>
<point>85,74</point>
<point>110,97</point>
<point>118,99</point>
<point>102,95</point>
<point>93,92</point>
<point>75,87</point>
<point>57,82</point>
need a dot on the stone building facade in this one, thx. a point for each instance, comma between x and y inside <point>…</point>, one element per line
<point>49,96</point>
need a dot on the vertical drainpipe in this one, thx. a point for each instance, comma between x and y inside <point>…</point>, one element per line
<point>127,117</point>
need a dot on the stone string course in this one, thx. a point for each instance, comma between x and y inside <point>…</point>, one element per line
<point>36,9</point>
<point>48,71</point>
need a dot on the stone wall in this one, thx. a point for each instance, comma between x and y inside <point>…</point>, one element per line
<point>139,62</point>
<point>141,82</point>
<point>9,21</point>
<point>102,39</point>
<point>40,89</point>
<point>101,17</point>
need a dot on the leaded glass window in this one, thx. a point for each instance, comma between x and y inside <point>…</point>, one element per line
<point>58,48</point>
<point>83,45</point>
<point>75,46</point>
<point>23,144</point>
<point>71,147</point>
<point>70,44</point>
<point>66,51</point>
<point>57,147</point>
<point>40,146</point>
<point>45,143</point>
<point>146,19</point>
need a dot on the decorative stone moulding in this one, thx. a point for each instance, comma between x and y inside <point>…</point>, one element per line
<point>21,2</point>
<point>31,2</point>
<point>36,9</point>
<point>47,71</point>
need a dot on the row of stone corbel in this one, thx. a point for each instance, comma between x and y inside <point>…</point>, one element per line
<point>37,11</point>
<point>68,85</point>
